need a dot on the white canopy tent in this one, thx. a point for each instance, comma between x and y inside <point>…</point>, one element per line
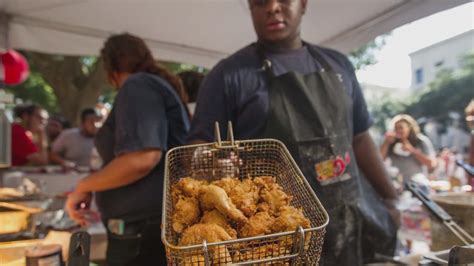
<point>199,32</point>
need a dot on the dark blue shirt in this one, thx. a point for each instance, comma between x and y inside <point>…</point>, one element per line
<point>147,113</point>
<point>236,90</point>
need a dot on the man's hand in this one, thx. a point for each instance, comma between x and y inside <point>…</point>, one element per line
<point>77,206</point>
<point>68,165</point>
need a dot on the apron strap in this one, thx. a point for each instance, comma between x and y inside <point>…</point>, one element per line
<point>314,51</point>
<point>267,64</point>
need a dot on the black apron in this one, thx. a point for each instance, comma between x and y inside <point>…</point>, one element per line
<point>309,113</point>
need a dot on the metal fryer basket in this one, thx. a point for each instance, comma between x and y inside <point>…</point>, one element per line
<point>249,158</point>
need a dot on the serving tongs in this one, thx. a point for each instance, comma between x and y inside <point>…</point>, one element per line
<point>440,213</point>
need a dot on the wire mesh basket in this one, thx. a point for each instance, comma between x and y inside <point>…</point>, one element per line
<point>248,158</point>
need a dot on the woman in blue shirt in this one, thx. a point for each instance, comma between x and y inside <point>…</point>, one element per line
<point>148,118</point>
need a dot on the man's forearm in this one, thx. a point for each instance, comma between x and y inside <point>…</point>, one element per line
<point>370,162</point>
<point>56,158</point>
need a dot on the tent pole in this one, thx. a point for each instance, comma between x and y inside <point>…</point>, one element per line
<point>4,31</point>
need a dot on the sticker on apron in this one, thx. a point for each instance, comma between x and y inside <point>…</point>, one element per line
<point>333,170</point>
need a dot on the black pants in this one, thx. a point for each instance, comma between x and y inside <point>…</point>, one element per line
<point>139,245</point>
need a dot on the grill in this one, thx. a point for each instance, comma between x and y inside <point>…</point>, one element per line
<point>248,158</point>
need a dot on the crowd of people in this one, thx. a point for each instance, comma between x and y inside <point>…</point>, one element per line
<point>278,87</point>
<point>38,139</point>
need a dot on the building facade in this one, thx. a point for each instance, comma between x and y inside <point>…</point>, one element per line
<point>427,62</point>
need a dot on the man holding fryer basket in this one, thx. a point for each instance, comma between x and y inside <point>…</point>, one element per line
<point>309,98</point>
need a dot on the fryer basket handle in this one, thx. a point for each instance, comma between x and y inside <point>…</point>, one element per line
<point>230,135</point>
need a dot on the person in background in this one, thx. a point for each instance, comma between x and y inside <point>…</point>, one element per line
<point>455,138</point>
<point>29,140</point>
<point>431,130</point>
<point>148,118</point>
<point>409,150</point>
<point>191,82</point>
<point>309,98</point>
<point>56,125</point>
<point>74,146</point>
<point>103,109</point>
<point>469,113</point>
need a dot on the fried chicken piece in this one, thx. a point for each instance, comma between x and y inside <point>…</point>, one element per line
<point>263,252</point>
<point>244,194</point>
<point>188,187</point>
<point>289,219</point>
<point>272,195</point>
<point>197,233</point>
<point>259,224</point>
<point>194,260</point>
<point>186,212</point>
<point>227,183</point>
<point>215,217</point>
<point>273,200</point>
<point>264,181</point>
<point>214,197</point>
<point>218,256</point>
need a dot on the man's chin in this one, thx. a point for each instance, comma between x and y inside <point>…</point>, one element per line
<point>274,39</point>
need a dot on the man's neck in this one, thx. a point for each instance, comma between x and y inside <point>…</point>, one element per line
<point>282,47</point>
<point>85,134</point>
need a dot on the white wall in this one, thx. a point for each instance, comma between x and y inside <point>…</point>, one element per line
<point>447,52</point>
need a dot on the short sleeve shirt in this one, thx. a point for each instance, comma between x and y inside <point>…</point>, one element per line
<point>409,165</point>
<point>74,146</point>
<point>147,114</point>
<point>237,90</point>
<point>22,145</point>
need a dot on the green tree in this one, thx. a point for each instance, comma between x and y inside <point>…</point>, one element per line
<point>384,108</point>
<point>176,67</point>
<point>67,84</point>
<point>449,92</point>
<point>365,55</point>
<point>36,90</point>
<point>64,84</point>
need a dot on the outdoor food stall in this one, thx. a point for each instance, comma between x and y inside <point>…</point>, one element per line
<point>32,216</point>
<point>228,202</point>
<point>225,178</point>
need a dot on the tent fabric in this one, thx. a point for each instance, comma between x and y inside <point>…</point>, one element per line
<point>199,32</point>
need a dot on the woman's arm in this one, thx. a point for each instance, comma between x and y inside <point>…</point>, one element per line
<point>419,155</point>
<point>121,171</point>
<point>41,156</point>
<point>54,157</point>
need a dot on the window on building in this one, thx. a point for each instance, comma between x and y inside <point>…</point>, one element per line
<point>419,76</point>
<point>439,63</point>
